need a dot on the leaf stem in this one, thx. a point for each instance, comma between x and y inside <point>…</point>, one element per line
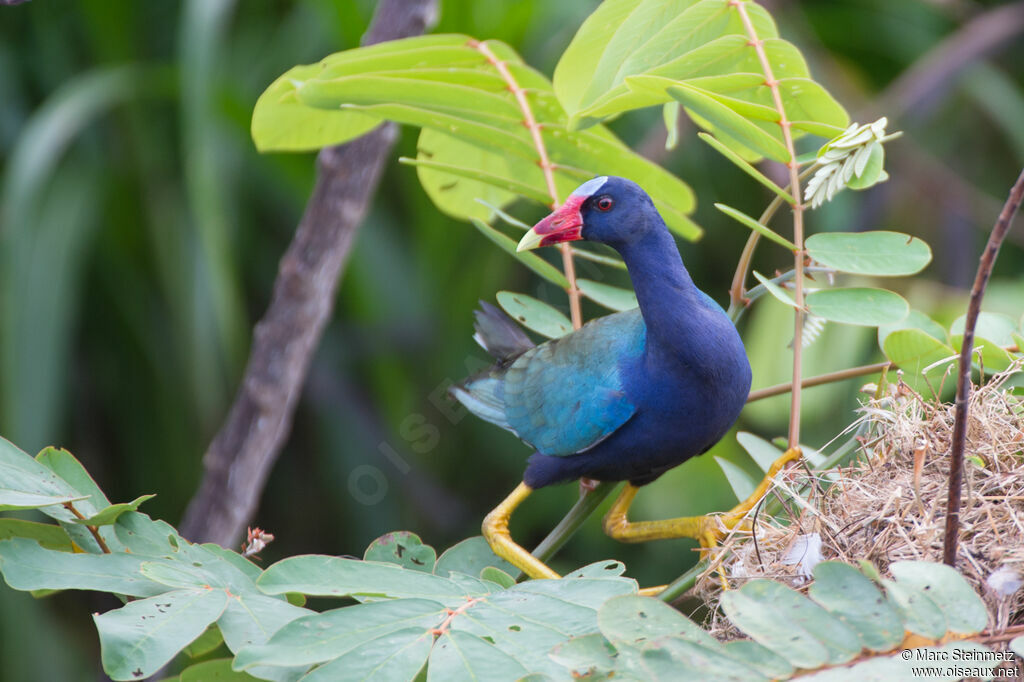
<point>571,522</point>
<point>828,378</point>
<point>798,218</point>
<point>92,529</point>
<point>963,379</point>
<point>545,165</point>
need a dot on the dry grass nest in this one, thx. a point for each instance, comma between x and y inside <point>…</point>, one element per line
<point>889,503</point>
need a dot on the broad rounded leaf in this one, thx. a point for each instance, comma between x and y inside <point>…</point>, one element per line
<point>324,636</point>
<point>470,557</point>
<point>965,612</point>
<point>811,637</point>
<point>614,298</point>
<point>141,637</point>
<point>913,349</point>
<point>859,306</point>
<point>633,619</point>
<point>404,549</point>
<point>534,314</point>
<point>394,656</point>
<point>460,656</point>
<point>850,596</point>
<point>870,253</point>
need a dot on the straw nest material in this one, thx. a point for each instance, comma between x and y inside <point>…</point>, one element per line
<point>889,503</point>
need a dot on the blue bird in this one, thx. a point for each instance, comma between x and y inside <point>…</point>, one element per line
<point>627,396</point>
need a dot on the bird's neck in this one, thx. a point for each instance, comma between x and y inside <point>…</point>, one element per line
<point>667,295</point>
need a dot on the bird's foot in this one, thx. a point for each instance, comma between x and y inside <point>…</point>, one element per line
<point>495,530</point>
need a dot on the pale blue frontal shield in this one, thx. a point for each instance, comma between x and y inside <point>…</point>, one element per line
<point>590,187</point>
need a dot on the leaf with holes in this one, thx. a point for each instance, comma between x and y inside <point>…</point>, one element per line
<point>535,315</point>
<point>404,549</point>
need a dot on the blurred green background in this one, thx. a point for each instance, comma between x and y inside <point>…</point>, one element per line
<point>140,234</point>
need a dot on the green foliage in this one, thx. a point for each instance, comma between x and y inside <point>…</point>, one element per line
<point>534,314</point>
<point>473,143</point>
<point>636,53</point>
<point>459,616</point>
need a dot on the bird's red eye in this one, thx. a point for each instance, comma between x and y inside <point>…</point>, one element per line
<point>605,203</point>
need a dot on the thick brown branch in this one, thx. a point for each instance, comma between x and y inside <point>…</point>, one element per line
<point>239,459</point>
<point>963,379</point>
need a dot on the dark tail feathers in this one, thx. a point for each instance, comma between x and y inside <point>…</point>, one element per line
<point>498,334</point>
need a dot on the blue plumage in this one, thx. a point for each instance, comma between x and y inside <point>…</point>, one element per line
<point>630,395</point>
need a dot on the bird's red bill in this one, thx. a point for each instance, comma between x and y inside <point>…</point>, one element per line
<point>565,224</point>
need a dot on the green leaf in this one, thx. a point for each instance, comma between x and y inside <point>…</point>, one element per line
<point>761,451</point>
<point>473,144</point>
<point>614,298</point>
<point>874,170</point>
<point>851,597</point>
<point>530,260</point>
<point>965,612</point>
<point>204,643</point>
<point>470,557</point>
<point>774,289</point>
<point>393,656</point>
<point>919,613</point>
<point>27,484</point>
<point>812,636</point>
<point>252,618</point>
<point>497,576</point>
<point>404,549</point>
<point>758,657</point>
<point>65,465</point>
<point>47,535</point>
<point>859,306</point>
<point>217,670</point>
<point>141,637</point>
<point>670,114</point>
<point>632,619</point>
<point>913,349</point>
<point>722,118</point>
<point>586,655</point>
<point>109,515</point>
<point>745,166</point>
<point>27,566</point>
<point>743,484</point>
<point>534,314</point>
<point>915,319</point>
<point>762,230</point>
<point>880,252</point>
<point>599,569</point>
<point>992,333</point>
<point>325,636</point>
<point>337,577</point>
<point>464,657</point>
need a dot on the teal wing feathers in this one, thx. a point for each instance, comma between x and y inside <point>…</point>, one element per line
<point>566,395</point>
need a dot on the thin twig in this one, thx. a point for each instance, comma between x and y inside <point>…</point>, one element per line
<point>92,529</point>
<point>963,380</point>
<point>530,121</point>
<point>829,378</point>
<point>239,459</point>
<point>798,218</point>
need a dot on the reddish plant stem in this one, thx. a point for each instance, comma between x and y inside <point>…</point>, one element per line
<point>779,389</point>
<point>798,218</point>
<point>92,529</point>
<point>530,121</point>
<point>963,379</point>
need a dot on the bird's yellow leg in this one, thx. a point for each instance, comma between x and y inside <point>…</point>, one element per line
<point>706,529</point>
<point>495,529</point>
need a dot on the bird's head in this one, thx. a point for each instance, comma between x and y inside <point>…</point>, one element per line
<point>607,209</point>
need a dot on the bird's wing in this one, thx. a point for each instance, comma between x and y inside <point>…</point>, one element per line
<point>567,395</point>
